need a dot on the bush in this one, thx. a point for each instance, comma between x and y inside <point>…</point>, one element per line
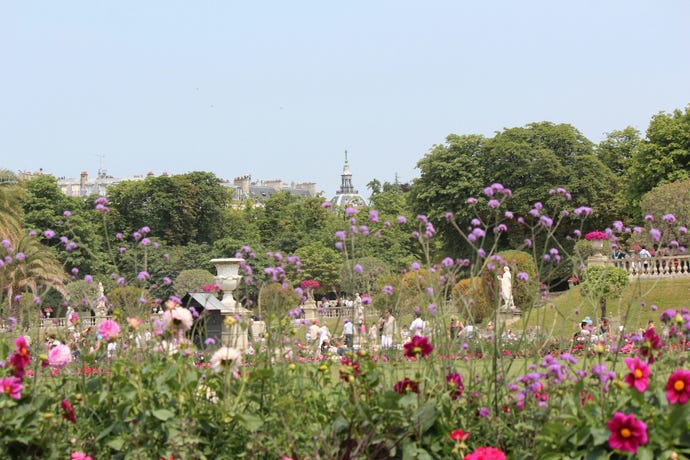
<point>192,281</point>
<point>470,300</point>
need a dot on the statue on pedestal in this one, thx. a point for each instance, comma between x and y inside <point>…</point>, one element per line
<point>507,289</point>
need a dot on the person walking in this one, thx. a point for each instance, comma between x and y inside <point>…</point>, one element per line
<point>389,328</point>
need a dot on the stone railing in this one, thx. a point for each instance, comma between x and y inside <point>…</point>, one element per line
<point>654,267</point>
<point>84,322</point>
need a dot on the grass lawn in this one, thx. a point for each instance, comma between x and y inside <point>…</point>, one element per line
<point>562,314</point>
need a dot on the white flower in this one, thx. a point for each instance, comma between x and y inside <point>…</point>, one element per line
<point>226,358</point>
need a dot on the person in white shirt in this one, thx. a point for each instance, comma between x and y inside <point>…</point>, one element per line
<point>418,325</point>
<point>348,333</point>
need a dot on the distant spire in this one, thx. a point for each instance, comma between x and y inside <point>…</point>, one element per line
<point>345,156</point>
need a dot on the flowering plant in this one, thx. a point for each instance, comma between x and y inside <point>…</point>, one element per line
<point>310,284</point>
<point>596,235</point>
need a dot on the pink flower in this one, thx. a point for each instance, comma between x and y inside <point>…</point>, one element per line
<point>79,456</point>
<point>486,453</point>
<point>109,330</point>
<point>59,356</point>
<point>11,386</point>
<point>638,377</point>
<point>627,432</point>
<point>678,387</point>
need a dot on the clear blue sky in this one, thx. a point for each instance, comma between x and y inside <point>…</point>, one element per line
<point>280,89</point>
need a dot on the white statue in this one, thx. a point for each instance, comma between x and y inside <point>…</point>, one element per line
<point>507,289</point>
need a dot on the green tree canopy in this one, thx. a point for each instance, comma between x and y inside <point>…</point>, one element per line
<point>663,156</point>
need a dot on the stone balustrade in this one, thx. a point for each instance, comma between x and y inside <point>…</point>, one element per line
<point>657,267</point>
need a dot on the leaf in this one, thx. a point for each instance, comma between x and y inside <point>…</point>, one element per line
<point>251,422</point>
<point>644,453</point>
<point>163,414</point>
<point>116,444</point>
<point>425,416</point>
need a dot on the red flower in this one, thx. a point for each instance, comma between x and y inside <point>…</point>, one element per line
<point>69,411</point>
<point>455,382</point>
<point>638,377</point>
<point>627,432</point>
<point>418,346</point>
<point>459,435</point>
<point>678,387</point>
<point>405,385</point>
<point>210,288</point>
<point>486,453</point>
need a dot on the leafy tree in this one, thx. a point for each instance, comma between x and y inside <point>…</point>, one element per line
<point>180,209</point>
<point>603,283</point>
<point>449,174</point>
<point>669,199</point>
<point>78,238</point>
<point>321,263</point>
<point>663,156</point>
<point>618,148</point>
<point>192,281</point>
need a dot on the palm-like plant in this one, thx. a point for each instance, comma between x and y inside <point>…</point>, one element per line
<point>36,271</point>
<point>11,196</point>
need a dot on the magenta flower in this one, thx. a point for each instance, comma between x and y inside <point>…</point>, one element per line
<point>59,356</point>
<point>627,432</point>
<point>418,346</point>
<point>678,387</point>
<point>454,380</point>
<point>638,377</point>
<point>11,386</point>
<point>109,330</point>
<point>486,453</point>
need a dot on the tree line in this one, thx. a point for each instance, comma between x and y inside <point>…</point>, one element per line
<point>167,225</point>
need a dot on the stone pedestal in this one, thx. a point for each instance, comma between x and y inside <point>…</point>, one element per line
<point>228,279</point>
<point>309,310</point>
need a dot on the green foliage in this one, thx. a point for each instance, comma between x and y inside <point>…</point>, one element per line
<point>126,301</point>
<point>471,301</point>
<point>671,198</point>
<point>603,283</point>
<point>321,263</point>
<point>192,281</point>
<point>663,156</point>
<point>275,300</point>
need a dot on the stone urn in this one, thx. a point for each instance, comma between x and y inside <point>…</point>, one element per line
<point>228,278</point>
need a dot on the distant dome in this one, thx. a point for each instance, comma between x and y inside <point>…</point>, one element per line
<point>347,195</point>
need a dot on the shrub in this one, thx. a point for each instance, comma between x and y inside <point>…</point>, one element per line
<point>470,300</point>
